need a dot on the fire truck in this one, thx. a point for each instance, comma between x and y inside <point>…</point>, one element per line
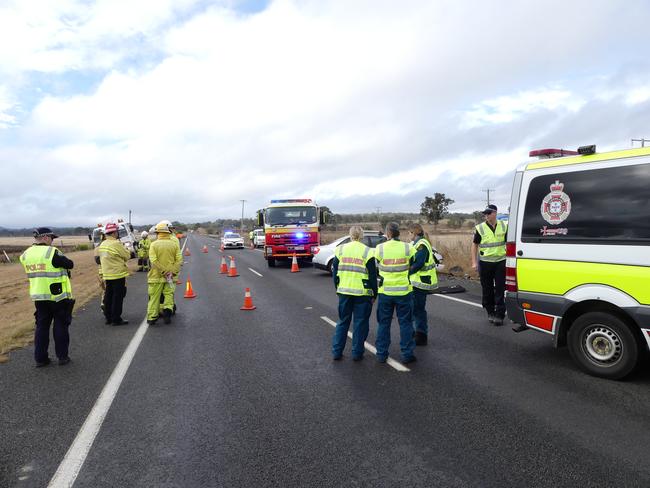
<point>291,227</point>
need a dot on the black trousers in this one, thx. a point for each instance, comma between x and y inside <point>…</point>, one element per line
<point>113,298</point>
<point>493,282</point>
<point>46,312</point>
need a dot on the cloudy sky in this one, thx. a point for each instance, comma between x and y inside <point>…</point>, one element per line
<point>181,108</point>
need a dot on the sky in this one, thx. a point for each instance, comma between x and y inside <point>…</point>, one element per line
<point>180,109</point>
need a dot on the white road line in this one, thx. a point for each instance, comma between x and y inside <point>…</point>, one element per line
<point>459,300</point>
<point>371,348</point>
<point>69,468</point>
<point>184,244</point>
<point>255,272</point>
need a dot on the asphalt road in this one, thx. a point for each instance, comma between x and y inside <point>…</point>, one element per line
<point>232,398</point>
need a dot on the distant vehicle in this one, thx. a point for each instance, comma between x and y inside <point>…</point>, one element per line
<point>232,240</point>
<point>259,238</point>
<point>125,234</point>
<point>325,255</point>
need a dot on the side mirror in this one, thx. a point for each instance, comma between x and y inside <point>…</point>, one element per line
<point>90,237</point>
<point>324,217</point>
<point>260,218</point>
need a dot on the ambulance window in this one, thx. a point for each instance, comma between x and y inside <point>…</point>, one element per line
<point>601,206</point>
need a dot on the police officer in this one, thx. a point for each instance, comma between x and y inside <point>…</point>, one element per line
<point>424,280</point>
<point>490,246</point>
<point>166,260</point>
<point>50,289</point>
<point>355,279</point>
<point>393,262</point>
<point>143,251</point>
<point>113,257</point>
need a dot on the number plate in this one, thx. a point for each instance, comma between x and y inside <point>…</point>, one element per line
<point>295,248</point>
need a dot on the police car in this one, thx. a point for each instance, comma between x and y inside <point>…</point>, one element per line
<point>578,255</point>
<point>232,240</point>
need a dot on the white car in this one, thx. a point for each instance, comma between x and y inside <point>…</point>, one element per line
<point>232,240</point>
<point>259,238</point>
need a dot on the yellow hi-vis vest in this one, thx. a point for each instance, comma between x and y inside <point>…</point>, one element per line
<point>393,267</point>
<point>419,280</point>
<point>143,248</point>
<point>43,277</point>
<point>353,257</point>
<point>493,244</point>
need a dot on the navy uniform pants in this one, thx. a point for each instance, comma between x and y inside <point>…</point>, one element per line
<point>402,306</point>
<point>47,312</point>
<point>113,299</point>
<point>493,283</point>
<point>420,320</point>
<point>357,308</point>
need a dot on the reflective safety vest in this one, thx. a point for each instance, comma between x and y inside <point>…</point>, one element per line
<point>143,248</point>
<point>352,271</point>
<point>493,244</point>
<point>393,266</point>
<point>426,277</point>
<point>45,281</point>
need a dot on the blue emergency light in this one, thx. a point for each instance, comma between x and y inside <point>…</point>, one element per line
<point>300,235</point>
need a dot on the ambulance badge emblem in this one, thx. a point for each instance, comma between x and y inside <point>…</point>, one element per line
<point>556,206</point>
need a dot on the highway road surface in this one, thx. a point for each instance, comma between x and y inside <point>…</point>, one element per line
<point>231,398</point>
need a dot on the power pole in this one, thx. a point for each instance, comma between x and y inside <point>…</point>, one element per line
<point>642,141</point>
<point>488,190</point>
<point>241,223</point>
<point>378,210</point>
<point>129,216</point>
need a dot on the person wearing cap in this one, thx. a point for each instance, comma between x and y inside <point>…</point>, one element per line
<point>113,257</point>
<point>166,258</point>
<point>355,279</point>
<point>48,271</point>
<point>394,259</point>
<point>424,279</point>
<point>143,251</point>
<point>490,247</point>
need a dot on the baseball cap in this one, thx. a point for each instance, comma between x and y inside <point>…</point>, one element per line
<point>44,231</point>
<point>489,209</point>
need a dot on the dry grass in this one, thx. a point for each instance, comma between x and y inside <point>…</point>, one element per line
<point>14,246</point>
<point>17,310</point>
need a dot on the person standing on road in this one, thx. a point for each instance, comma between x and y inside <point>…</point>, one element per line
<point>490,247</point>
<point>174,238</point>
<point>355,279</point>
<point>166,258</point>
<point>50,289</point>
<point>393,263</point>
<point>143,251</point>
<point>113,257</point>
<point>422,274</point>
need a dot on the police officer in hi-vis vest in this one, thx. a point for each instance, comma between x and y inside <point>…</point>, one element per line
<point>355,279</point>
<point>50,289</point>
<point>490,246</point>
<point>394,259</point>
<point>424,280</point>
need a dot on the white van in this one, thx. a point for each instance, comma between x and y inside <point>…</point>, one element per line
<point>125,234</point>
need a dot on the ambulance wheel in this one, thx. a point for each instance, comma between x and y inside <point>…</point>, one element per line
<point>603,345</point>
<point>270,262</point>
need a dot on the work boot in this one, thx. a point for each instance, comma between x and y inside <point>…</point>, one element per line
<point>491,318</point>
<point>64,361</point>
<point>40,364</point>
<point>167,316</point>
<point>408,360</point>
<point>152,321</point>
<point>121,322</point>
<point>420,338</point>
<point>498,321</point>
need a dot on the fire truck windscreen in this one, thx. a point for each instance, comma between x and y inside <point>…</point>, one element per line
<point>290,215</point>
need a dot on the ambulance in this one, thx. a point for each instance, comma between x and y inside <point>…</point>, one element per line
<point>578,255</point>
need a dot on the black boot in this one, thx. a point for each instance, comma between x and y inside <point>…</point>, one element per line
<point>167,316</point>
<point>420,338</point>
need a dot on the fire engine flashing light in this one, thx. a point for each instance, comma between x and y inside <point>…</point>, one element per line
<point>293,200</point>
<point>300,235</point>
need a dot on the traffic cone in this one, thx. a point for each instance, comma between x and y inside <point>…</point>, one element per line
<point>232,272</point>
<point>187,251</point>
<point>294,264</point>
<point>224,266</point>
<point>248,301</point>
<point>189,293</point>
<point>205,249</point>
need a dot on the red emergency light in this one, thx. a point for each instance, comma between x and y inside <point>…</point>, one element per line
<point>551,153</point>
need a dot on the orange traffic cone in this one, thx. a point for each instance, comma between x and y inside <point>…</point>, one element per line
<point>187,251</point>
<point>232,272</point>
<point>248,301</point>
<point>189,292</point>
<point>294,264</point>
<point>205,249</point>
<point>224,266</point>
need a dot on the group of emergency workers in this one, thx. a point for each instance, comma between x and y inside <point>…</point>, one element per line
<point>48,271</point>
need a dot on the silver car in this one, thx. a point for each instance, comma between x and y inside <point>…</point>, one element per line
<point>325,256</point>
<point>231,239</point>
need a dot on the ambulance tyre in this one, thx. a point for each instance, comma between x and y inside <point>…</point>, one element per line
<point>603,345</point>
<point>270,262</point>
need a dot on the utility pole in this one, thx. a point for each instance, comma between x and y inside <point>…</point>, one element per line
<point>488,190</point>
<point>129,217</point>
<point>378,210</point>
<point>241,223</point>
<point>642,141</point>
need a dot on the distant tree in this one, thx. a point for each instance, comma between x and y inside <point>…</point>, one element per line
<point>434,209</point>
<point>478,216</point>
<point>456,221</point>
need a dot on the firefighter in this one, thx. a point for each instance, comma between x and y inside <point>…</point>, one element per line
<point>50,288</point>
<point>174,238</point>
<point>355,279</point>
<point>393,263</point>
<point>165,257</point>
<point>490,246</point>
<point>422,274</point>
<point>113,257</point>
<point>143,251</point>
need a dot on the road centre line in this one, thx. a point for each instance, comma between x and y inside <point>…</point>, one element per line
<point>391,362</point>
<point>69,469</point>
<point>474,304</point>
<point>256,273</point>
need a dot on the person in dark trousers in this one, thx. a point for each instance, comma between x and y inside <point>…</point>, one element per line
<point>424,279</point>
<point>355,279</point>
<point>489,247</point>
<point>113,257</point>
<point>50,288</point>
